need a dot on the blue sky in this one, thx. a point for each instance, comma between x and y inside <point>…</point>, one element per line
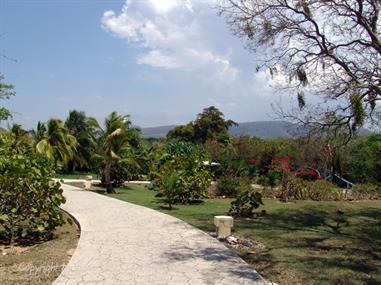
<point>161,61</point>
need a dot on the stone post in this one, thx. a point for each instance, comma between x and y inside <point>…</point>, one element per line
<point>87,183</point>
<point>223,225</point>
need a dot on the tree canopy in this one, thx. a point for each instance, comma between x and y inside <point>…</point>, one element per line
<point>209,125</point>
<point>327,48</point>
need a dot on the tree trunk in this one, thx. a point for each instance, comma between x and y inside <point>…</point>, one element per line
<point>108,183</point>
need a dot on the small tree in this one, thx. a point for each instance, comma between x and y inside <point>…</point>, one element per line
<point>115,145</point>
<point>180,174</point>
<point>171,190</point>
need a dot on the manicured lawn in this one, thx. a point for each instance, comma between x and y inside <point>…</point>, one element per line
<point>306,242</point>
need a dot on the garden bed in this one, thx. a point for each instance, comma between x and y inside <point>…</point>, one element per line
<point>38,262</point>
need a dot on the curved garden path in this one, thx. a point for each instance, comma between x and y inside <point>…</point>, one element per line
<point>123,243</point>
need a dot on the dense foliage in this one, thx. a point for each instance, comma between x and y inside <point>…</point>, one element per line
<point>209,125</point>
<point>180,174</point>
<point>363,160</point>
<point>245,203</point>
<point>85,130</point>
<point>29,199</point>
<point>116,146</point>
<point>118,153</point>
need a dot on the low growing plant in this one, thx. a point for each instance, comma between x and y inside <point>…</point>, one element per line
<point>367,191</point>
<point>228,186</point>
<point>245,203</point>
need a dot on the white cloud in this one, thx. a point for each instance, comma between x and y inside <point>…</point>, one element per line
<point>174,34</point>
<point>157,59</point>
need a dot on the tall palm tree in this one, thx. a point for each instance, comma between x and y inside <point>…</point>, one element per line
<point>56,142</point>
<point>85,130</point>
<point>116,142</point>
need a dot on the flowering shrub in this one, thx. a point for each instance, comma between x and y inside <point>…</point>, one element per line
<point>308,174</point>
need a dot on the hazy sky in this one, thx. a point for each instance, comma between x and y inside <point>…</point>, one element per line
<point>161,61</point>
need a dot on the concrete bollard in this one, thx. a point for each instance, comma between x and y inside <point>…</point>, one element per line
<point>87,182</point>
<point>223,225</point>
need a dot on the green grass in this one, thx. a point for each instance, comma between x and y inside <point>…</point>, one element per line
<point>76,175</point>
<point>304,243</point>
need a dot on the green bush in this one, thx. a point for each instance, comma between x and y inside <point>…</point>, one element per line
<point>322,190</point>
<point>245,204</point>
<point>29,199</point>
<point>118,175</point>
<point>228,186</point>
<point>180,175</point>
<point>294,188</point>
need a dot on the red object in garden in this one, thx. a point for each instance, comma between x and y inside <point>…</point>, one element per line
<point>282,163</point>
<point>308,173</point>
<point>253,161</point>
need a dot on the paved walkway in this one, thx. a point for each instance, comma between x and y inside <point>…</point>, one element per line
<point>123,243</point>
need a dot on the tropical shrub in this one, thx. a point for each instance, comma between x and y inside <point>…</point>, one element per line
<point>29,199</point>
<point>295,188</point>
<point>170,191</point>
<point>292,188</point>
<point>322,190</point>
<point>180,174</point>
<point>118,175</point>
<point>245,203</point>
<point>228,186</point>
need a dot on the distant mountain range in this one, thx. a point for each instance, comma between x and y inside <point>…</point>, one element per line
<point>261,129</point>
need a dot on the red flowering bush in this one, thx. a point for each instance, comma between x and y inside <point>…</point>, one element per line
<point>308,174</point>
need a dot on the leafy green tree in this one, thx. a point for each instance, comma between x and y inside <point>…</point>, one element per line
<point>118,138</point>
<point>362,160</point>
<point>85,130</point>
<point>182,133</point>
<point>56,143</point>
<point>209,125</point>
<point>6,91</point>
<point>29,199</point>
<point>180,174</point>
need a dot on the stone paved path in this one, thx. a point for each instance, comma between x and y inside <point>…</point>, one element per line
<point>123,243</point>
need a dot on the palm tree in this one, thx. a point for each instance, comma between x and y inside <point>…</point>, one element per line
<point>22,139</point>
<point>117,140</point>
<point>56,142</point>
<point>85,130</point>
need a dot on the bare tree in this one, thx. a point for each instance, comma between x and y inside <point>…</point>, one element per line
<point>328,48</point>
